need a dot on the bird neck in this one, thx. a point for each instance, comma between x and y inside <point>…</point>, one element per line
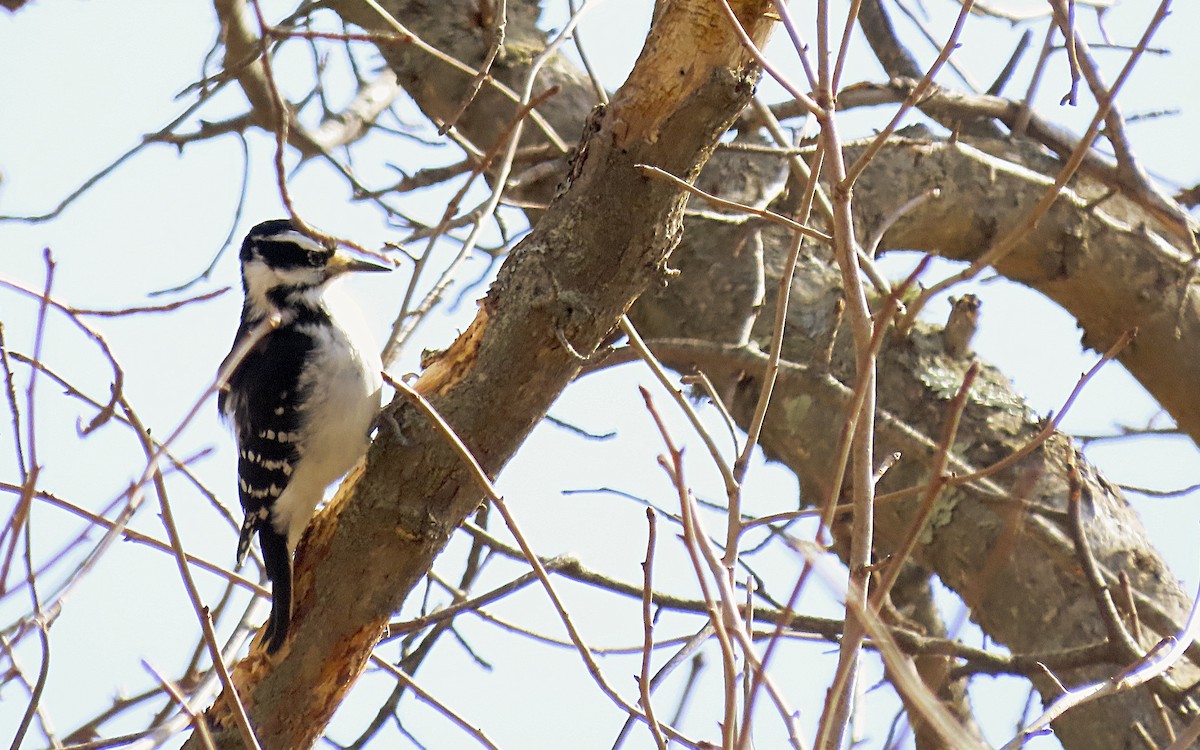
<point>292,303</point>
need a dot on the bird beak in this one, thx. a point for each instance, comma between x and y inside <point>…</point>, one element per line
<point>342,263</point>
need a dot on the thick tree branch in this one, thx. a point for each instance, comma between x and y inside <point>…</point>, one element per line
<point>1094,257</point>
<point>243,61</point>
<point>1002,543</point>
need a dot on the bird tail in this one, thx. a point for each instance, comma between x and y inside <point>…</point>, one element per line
<point>279,569</point>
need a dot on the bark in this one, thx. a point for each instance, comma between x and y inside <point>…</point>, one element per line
<point>1101,260</point>
<point>1000,543</point>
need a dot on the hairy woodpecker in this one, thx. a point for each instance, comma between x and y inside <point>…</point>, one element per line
<point>302,402</point>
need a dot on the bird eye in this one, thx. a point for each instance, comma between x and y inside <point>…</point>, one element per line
<point>316,258</point>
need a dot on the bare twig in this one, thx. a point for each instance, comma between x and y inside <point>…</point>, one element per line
<point>99,176</point>
<point>185,574</point>
<point>723,609</point>
<point>408,318</point>
<point>11,392</point>
<point>477,734</point>
<point>140,538</point>
<point>109,409</point>
<point>768,67</point>
<point>771,216</point>
<point>1051,424</point>
<point>1169,651</point>
<point>485,483</point>
<point>937,468</point>
<point>135,310</point>
<point>195,719</point>
<point>860,424</point>
<point>853,173</point>
<point>135,494</point>
<point>759,418</point>
<point>648,631</point>
<point>1117,632</point>
<point>545,127</point>
<point>1005,244</point>
<point>495,44</point>
<point>672,463</point>
<point>635,341</point>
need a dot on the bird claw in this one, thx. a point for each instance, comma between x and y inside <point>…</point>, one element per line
<point>385,418</point>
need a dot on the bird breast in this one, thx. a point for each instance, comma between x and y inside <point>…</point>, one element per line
<point>342,384</point>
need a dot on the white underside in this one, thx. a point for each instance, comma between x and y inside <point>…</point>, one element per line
<point>338,416</point>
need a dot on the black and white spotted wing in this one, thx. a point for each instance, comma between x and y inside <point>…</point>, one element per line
<point>267,422</point>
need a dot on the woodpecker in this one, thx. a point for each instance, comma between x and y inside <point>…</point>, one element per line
<point>302,402</point>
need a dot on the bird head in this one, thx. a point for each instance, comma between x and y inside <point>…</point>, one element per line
<point>280,262</point>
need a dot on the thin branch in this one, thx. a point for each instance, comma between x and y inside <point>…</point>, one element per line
<point>196,720</point>
<point>1051,425</point>
<point>485,484</point>
<point>135,494</point>
<point>11,392</point>
<point>408,318</point>
<point>919,22</point>
<point>407,680</point>
<point>35,695</point>
<point>723,607</point>
<point>853,173</point>
<point>690,649</point>
<point>547,130</point>
<point>139,538</point>
<point>91,182</point>
<point>937,468</point>
<point>165,307</point>
<point>402,627</point>
<point>1169,651</point>
<point>647,355</point>
<point>672,463</point>
<point>495,44</point>
<point>1006,243</point>
<point>1117,632</point>
<point>571,568</point>
<point>804,99</point>
<point>763,213</point>
<point>648,631</point>
<point>241,720</point>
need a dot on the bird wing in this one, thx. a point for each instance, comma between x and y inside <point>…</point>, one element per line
<point>263,403</point>
<point>224,408</point>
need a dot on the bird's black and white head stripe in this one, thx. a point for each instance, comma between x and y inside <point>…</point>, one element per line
<point>301,402</point>
<point>281,266</point>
